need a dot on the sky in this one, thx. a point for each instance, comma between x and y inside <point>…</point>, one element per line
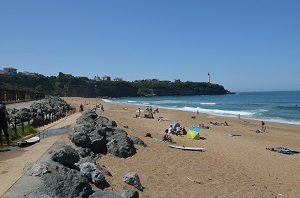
<point>246,45</point>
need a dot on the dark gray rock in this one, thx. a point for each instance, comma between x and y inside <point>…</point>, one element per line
<point>129,194</point>
<point>137,140</point>
<point>98,143</point>
<point>92,172</point>
<point>69,184</point>
<point>65,155</point>
<point>88,116</point>
<point>35,169</point>
<point>120,144</point>
<point>103,194</point>
<point>85,152</point>
<point>133,179</point>
<point>148,135</point>
<point>80,139</point>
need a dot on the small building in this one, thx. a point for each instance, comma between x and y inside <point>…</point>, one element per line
<point>106,78</point>
<point>9,71</point>
<point>97,78</point>
<point>177,80</point>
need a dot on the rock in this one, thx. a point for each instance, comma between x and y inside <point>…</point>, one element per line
<point>148,135</point>
<point>92,172</point>
<point>132,178</point>
<point>35,169</point>
<point>137,140</point>
<point>65,155</point>
<point>103,194</point>
<point>98,143</point>
<point>70,184</point>
<point>80,139</point>
<point>88,116</point>
<point>85,152</point>
<point>120,144</point>
<point>129,194</point>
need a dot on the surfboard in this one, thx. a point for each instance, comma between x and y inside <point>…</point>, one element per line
<point>187,148</point>
<point>28,142</point>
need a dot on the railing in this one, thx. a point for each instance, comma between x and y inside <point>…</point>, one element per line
<point>12,96</point>
<point>47,118</point>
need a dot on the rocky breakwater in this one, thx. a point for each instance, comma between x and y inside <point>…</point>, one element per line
<point>73,170</point>
<point>40,113</point>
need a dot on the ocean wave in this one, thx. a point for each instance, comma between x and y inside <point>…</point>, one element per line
<point>132,101</point>
<point>208,103</point>
<point>106,100</point>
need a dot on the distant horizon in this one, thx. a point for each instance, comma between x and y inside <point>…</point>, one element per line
<point>244,45</point>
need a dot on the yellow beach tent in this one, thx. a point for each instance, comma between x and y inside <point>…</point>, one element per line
<point>194,133</point>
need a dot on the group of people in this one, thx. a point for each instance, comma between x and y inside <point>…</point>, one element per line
<point>179,131</point>
<point>219,123</point>
<point>148,114</point>
<point>3,123</point>
<point>100,106</point>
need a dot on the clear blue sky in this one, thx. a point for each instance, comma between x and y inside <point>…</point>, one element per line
<point>246,45</point>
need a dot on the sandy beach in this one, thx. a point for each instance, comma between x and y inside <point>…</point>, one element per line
<point>230,166</point>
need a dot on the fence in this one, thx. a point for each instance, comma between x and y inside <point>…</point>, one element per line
<point>46,118</point>
<point>12,96</point>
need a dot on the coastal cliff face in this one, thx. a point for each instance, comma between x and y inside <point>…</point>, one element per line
<point>68,85</point>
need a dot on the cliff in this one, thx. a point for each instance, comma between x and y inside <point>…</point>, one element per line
<point>68,85</point>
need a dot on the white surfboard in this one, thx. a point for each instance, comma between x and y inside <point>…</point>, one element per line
<point>187,148</point>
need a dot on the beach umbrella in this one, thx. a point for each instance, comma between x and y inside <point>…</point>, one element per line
<point>194,133</point>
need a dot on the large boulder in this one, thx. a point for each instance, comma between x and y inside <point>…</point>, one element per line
<point>92,172</point>
<point>65,155</point>
<point>80,139</point>
<point>133,179</point>
<point>120,144</point>
<point>129,194</point>
<point>69,184</point>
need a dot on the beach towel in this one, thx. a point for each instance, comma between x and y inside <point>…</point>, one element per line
<point>283,150</point>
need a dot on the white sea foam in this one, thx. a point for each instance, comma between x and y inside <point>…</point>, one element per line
<point>106,100</point>
<point>208,103</point>
<point>132,101</point>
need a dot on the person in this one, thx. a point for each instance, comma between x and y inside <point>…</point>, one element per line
<point>170,130</point>
<point>102,108</point>
<point>167,136</point>
<point>3,123</point>
<point>81,107</point>
<point>139,112</point>
<point>263,126</point>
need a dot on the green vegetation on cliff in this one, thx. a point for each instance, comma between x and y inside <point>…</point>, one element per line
<point>68,85</point>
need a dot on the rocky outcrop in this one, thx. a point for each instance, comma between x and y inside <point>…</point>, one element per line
<point>101,136</point>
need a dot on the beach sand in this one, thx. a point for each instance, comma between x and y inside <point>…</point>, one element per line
<point>229,167</point>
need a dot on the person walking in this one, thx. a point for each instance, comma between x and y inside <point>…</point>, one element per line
<point>3,123</point>
<point>263,126</point>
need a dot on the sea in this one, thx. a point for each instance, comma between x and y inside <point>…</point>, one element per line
<point>279,106</point>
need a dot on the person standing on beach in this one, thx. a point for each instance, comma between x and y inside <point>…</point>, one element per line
<point>3,123</point>
<point>263,126</point>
